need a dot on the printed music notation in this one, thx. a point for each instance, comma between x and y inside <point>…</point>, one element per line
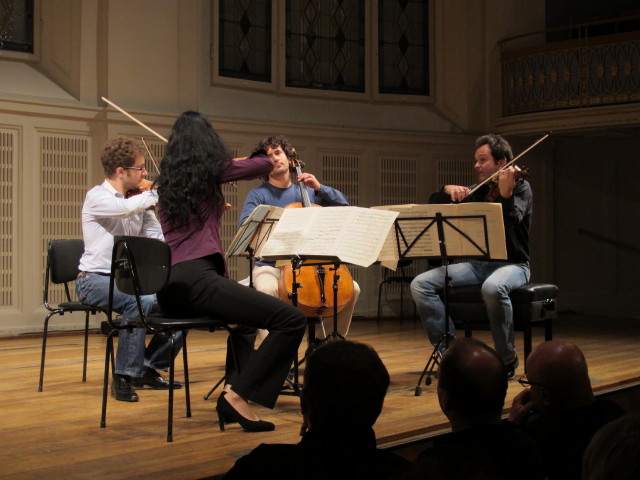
<point>470,230</point>
<point>353,235</point>
<point>254,231</point>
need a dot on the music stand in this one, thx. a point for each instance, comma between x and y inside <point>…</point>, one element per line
<point>296,239</point>
<point>452,242</point>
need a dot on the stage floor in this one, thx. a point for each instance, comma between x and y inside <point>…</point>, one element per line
<point>56,434</point>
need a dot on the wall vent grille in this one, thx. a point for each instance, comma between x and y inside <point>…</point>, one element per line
<point>7,161</point>
<point>64,165</point>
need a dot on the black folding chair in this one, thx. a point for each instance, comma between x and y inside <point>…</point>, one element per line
<point>63,258</point>
<point>141,266</point>
<point>401,278</point>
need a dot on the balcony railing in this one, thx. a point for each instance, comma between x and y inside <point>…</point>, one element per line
<point>585,72</point>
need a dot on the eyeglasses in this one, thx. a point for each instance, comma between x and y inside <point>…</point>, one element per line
<point>526,383</point>
<point>135,168</point>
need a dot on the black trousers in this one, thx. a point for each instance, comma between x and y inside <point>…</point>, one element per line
<point>196,288</point>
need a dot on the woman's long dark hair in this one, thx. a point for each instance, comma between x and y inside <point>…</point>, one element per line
<point>191,168</point>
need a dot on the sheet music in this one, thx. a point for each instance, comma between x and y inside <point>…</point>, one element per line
<point>426,247</point>
<point>495,227</point>
<point>352,234</point>
<point>254,230</point>
<point>417,223</point>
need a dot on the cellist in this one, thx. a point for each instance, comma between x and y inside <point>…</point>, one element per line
<point>281,189</point>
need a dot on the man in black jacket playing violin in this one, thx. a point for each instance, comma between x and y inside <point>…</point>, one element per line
<point>497,277</point>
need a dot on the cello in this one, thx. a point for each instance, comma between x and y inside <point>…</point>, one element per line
<point>316,286</point>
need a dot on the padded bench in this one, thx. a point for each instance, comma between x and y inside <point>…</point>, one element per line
<point>534,304</point>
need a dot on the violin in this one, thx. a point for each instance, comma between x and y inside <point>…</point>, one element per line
<point>494,189</point>
<point>145,185</point>
<point>315,294</point>
<point>507,165</point>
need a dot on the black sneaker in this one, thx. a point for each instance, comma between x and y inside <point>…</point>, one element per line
<point>511,368</point>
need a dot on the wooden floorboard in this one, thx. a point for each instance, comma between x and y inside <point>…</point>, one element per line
<point>56,434</point>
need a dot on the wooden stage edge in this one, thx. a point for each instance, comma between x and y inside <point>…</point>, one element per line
<point>56,433</point>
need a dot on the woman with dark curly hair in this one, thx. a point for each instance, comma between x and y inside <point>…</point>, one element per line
<point>190,207</point>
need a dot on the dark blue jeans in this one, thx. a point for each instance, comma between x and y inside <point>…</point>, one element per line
<point>132,356</point>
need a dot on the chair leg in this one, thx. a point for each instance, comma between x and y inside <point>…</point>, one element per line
<point>213,389</point>
<point>171,380</point>
<point>185,361</point>
<point>44,349</point>
<point>527,341</point>
<point>548,330</point>
<point>105,387</point>
<point>468,331</point>
<point>86,347</point>
<point>379,300</point>
<point>401,304</point>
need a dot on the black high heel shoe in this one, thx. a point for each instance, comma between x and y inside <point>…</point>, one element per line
<point>227,413</point>
<point>227,419</point>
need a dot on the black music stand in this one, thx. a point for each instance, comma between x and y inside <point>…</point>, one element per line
<point>405,246</point>
<point>296,239</point>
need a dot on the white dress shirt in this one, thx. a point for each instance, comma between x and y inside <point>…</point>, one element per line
<point>106,213</point>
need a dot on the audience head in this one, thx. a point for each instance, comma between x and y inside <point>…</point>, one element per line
<point>345,384</point>
<point>613,451</point>
<point>559,377</point>
<point>472,384</point>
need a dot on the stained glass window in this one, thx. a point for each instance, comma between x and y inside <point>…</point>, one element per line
<point>245,39</point>
<point>325,44</point>
<point>403,46</point>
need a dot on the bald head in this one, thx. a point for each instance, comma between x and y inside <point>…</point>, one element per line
<point>560,367</point>
<point>472,384</point>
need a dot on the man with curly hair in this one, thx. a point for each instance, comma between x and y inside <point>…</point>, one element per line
<point>280,189</point>
<point>108,210</point>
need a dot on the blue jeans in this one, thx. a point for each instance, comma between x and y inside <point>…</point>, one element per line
<point>497,279</point>
<point>131,357</point>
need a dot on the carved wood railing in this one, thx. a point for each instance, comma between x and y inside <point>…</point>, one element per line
<point>578,73</point>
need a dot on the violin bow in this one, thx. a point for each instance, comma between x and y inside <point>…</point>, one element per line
<point>507,165</point>
<point>146,127</point>
<point>153,159</point>
<point>128,115</point>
